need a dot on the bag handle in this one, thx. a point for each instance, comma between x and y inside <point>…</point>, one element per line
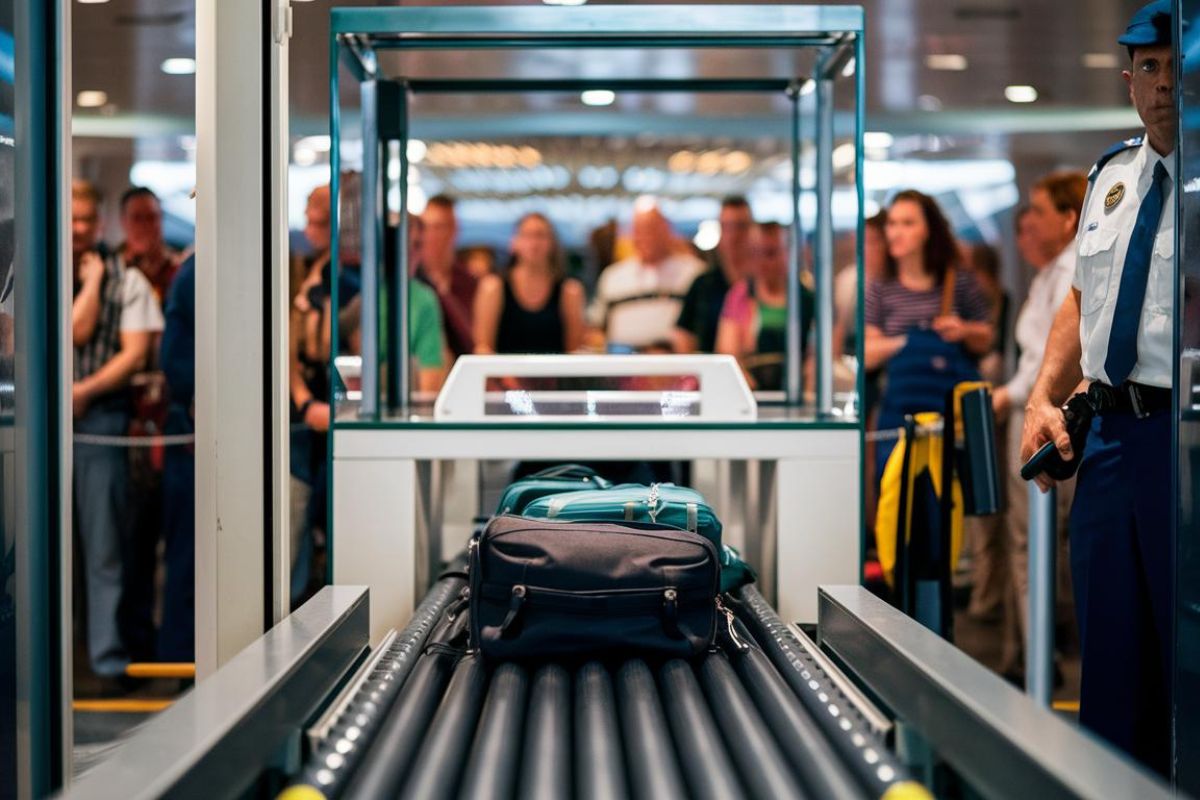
<point>567,471</point>
<point>948,291</point>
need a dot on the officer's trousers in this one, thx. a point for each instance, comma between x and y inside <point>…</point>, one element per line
<point>1122,564</point>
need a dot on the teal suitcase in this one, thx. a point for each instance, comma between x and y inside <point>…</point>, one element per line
<point>658,503</point>
<point>553,480</point>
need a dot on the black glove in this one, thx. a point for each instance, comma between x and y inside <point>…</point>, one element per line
<point>1077,418</point>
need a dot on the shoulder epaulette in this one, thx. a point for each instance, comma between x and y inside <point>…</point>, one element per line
<point>1121,147</point>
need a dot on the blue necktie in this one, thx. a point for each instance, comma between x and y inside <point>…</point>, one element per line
<point>1127,316</point>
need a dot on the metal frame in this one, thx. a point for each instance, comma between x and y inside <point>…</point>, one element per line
<point>357,33</point>
<point>42,421</point>
<point>1000,740</point>
<point>218,739</point>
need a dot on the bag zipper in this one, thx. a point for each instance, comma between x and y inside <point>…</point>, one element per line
<point>520,596</point>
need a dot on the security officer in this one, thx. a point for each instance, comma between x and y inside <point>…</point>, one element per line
<point>1113,338</point>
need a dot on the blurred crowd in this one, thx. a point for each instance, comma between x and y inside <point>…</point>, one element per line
<point>650,291</point>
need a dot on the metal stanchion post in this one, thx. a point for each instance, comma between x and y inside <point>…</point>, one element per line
<point>1039,634</point>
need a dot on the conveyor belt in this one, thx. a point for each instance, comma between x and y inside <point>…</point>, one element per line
<point>753,718</point>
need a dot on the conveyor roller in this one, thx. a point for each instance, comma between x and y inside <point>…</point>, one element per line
<point>751,718</point>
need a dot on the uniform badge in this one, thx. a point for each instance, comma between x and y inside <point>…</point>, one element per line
<point>1115,195</point>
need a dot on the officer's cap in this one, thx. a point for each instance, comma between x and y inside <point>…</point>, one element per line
<point>1150,25</point>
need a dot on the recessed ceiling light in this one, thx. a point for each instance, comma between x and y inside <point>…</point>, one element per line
<point>878,140</point>
<point>1101,60</point>
<point>598,97</point>
<point>179,66</point>
<point>952,62</point>
<point>91,98</point>
<point>928,102</point>
<point>564,2</point>
<point>1020,94</point>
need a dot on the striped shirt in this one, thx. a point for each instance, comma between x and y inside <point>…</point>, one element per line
<point>638,305</point>
<point>896,310</point>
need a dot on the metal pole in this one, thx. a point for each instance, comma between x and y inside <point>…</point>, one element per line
<point>794,374</point>
<point>823,248</point>
<point>370,249</point>
<point>399,360</point>
<point>1039,643</point>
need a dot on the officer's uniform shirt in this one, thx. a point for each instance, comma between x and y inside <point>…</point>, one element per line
<point>1104,234</point>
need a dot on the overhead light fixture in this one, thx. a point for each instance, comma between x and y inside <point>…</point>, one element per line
<point>91,98</point>
<point>179,66</point>
<point>598,97</point>
<point>878,140</point>
<point>92,2</point>
<point>808,87</point>
<point>564,2</point>
<point>949,62</point>
<point>1101,60</point>
<point>844,156</point>
<point>928,102</point>
<point>318,144</point>
<point>1020,94</point>
<point>416,150</point>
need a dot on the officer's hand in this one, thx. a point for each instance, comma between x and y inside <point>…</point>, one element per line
<point>950,327</point>
<point>1044,422</point>
<point>80,399</point>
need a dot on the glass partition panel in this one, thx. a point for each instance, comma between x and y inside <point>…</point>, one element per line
<point>626,146</point>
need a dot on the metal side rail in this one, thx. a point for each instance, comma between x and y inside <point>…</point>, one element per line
<point>216,740</point>
<point>997,738</point>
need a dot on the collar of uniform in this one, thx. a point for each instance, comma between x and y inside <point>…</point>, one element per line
<point>1148,156</point>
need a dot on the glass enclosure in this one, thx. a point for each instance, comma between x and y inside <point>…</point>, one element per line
<point>591,117</point>
<point>1187,484</point>
<point>31,557</point>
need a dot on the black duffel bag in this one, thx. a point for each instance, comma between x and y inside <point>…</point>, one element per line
<point>543,589</point>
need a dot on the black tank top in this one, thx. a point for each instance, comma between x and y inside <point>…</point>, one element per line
<point>525,331</point>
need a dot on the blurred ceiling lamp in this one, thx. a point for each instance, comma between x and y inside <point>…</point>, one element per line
<point>1101,60</point>
<point>564,2</point>
<point>950,62</point>
<point>318,144</point>
<point>1020,94</point>
<point>710,162</point>
<point>91,98</point>
<point>928,102</point>
<point>708,235</point>
<point>844,155</point>
<point>738,161</point>
<point>179,66</point>
<point>878,140</point>
<point>808,87</point>
<point>304,156</point>
<point>683,161</point>
<point>598,97</point>
<point>415,150</point>
<point>528,156</point>
<point>92,2</point>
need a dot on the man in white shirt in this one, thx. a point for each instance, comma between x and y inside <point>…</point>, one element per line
<point>114,318</point>
<point>1049,223</point>
<point>639,298</point>
<point>1114,338</point>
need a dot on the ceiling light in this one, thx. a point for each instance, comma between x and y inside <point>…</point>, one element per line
<point>683,161</point>
<point>304,156</point>
<point>1101,60</point>
<point>318,144</point>
<point>92,2</point>
<point>564,2</point>
<point>878,140</point>
<point>598,97</point>
<point>179,66</point>
<point>808,87</point>
<point>952,62</point>
<point>737,161</point>
<point>415,150</point>
<point>928,102</point>
<point>1020,94</point>
<point>91,98</point>
<point>844,156</point>
<point>708,235</point>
